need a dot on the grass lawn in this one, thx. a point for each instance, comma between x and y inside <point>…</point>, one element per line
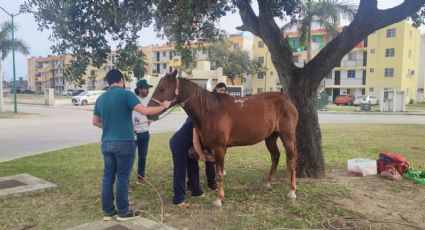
<point>10,114</point>
<point>34,96</point>
<point>417,106</point>
<point>344,108</point>
<point>247,205</point>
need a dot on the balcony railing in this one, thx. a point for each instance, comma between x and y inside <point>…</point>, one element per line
<point>352,63</point>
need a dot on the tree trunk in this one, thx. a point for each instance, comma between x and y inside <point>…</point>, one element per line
<point>310,161</point>
<point>308,47</point>
<point>2,109</point>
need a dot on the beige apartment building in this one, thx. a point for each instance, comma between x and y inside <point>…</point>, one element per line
<point>48,72</point>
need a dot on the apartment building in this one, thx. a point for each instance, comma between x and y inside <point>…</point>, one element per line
<point>48,72</point>
<point>95,77</point>
<point>387,60</point>
<point>349,77</point>
<point>393,60</point>
<point>165,58</point>
<point>268,80</point>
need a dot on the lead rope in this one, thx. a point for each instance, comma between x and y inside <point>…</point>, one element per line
<point>161,220</point>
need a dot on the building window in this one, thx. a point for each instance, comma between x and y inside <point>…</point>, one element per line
<point>371,70</point>
<point>296,43</point>
<point>409,54</point>
<point>351,56</point>
<point>410,35</point>
<point>372,51</point>
<point>391,33</point>
<point>260,44</point>
<point>370,90</point>
<point>164,53</point>
<point>389,52</point>
<point>260,75</point>
<point>260,60</point>
<point>235,46</point>
<point>389,72</point>
<point>259,90</point>
<point>351,74</point>
<point>164,65</point>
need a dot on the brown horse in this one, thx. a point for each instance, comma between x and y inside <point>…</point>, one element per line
<point>224,121</point>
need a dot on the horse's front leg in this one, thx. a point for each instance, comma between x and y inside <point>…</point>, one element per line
<point>219,169</point>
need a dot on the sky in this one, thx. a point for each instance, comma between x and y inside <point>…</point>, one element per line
<point>40,45</point>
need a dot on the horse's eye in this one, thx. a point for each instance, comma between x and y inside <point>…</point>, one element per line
<point>161,90</point>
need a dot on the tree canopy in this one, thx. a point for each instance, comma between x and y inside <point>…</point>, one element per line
<point>6,41</point>
<point>235,62</point>
<point>326,14</point>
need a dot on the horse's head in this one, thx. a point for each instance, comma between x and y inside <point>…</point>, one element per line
<point>165,91</point>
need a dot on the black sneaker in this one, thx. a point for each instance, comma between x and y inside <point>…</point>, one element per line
<point>131,215</point>
<point>108,217</point>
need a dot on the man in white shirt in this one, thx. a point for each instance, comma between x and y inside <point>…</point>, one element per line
<point>141,128</point>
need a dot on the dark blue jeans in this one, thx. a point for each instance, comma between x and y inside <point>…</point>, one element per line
<point>142,149</point>
<point>118,157</point>
<point>182,164</point>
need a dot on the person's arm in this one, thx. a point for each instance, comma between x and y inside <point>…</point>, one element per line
<point>197,146</point>
<point>145,110</point>
<point>96,121</point>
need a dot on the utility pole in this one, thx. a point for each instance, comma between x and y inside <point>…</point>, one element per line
<point>13,57</point>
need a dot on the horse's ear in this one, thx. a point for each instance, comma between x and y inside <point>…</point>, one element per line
<point>174,73</point>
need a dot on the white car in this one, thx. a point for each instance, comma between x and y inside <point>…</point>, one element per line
<point>86,98</point>
<point>366,100</point>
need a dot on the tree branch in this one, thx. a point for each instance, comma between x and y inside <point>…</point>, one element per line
<point>249,19</point>
<point>271,34</point>
<point>368,19</point>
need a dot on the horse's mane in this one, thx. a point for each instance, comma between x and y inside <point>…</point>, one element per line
<point>209,101</point>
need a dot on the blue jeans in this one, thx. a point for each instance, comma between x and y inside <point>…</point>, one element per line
<point>118,157</point>
<point>142,149</point>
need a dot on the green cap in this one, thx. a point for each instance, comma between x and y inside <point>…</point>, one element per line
<point>143,84</point>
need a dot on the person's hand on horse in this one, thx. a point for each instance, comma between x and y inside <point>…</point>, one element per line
<point>193,154</point>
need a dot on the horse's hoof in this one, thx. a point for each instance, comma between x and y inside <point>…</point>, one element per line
<point>217,203</point>
<point>291,195</point>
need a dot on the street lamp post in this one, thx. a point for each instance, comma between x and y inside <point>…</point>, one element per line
<point>13,56</point>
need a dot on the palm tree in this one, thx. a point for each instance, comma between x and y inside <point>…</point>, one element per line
<point>324,13</point>
<point>6,48</point>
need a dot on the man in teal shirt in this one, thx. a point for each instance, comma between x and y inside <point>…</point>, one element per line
<point>112,113</point>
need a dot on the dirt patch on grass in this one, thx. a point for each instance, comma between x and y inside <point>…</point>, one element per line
<point>383,200</point>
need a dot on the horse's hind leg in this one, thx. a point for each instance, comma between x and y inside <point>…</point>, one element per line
<point>275,155</point>
<point>289,142</point>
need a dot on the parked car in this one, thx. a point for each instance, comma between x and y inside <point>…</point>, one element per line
<point>366,100</point>
<point>18,90</point>
<point>67,92</point>
<point>86,98</point>
<point>344,100</point>
<point>76,92</point>
<point>27,91</point>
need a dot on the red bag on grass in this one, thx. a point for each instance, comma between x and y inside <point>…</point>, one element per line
<point>391,160</point>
